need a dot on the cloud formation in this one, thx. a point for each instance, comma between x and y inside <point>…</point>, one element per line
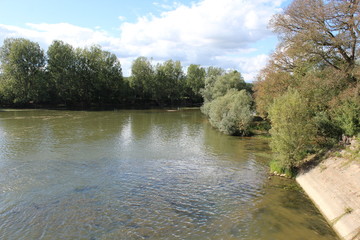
<point>209,32</point>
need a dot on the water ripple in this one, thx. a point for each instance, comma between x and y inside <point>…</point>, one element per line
<point>132,175</point>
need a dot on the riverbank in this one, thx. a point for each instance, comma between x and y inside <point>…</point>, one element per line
<point>129,105</point>
<point>334,187</point>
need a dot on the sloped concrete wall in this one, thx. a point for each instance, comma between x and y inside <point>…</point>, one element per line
<point>334,186</point>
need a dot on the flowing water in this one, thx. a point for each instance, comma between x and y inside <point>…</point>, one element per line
<point>142,174</point>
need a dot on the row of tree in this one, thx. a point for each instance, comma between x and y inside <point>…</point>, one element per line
<point>91,76</point>
<point>310,90</point>
<point>64,75</point>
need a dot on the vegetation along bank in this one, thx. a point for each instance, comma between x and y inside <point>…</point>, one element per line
<point>310,93</point>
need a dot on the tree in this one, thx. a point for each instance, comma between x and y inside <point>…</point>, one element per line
<point>61,68</point>
<point>292,129</point>
<point>142,77</point>
<point>98,76</point>
<point>346,112</point>
<point>109,84</point>
<point>212,74</point>
<point>270,84</point>
<point>317,59</point>
<point>226,102</point>
<point>231,113</point>
<point>169,81</point>
<point>195,80</point>
<point>218,85</point>
<point>328,30</point>
<point>22,67</point>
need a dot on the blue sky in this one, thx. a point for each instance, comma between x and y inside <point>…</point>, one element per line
<point>84,13</point>
<point>232,34</point>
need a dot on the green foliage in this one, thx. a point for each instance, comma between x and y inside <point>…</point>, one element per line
<point>328,132</point>
<point>6,95</point>
<point>260,126</point>
<point>99,76</point>
<point>170,81</point>
<point>231,113</point>
<point>226,102</point>
<point>195,80</point>
<point>217,84</point>
<point>319,58</point>
<point>214,72</point>
<point>84,75</point>
<point>277,167</point>
<point>71,76</point>
<point>91,76</point>
<point>142,77</point>
<point>347,116</point>
<point>321,86</point>
<point>166,83</point>
<point>62,71</point>
<point>22,66</point>
<point>292,129</point>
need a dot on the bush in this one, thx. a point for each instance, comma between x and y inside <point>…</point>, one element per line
<point>292,129</point>
<point>276,167</point>
<point>347,116</point>
<point>231,113</point>
<point>328,132</point>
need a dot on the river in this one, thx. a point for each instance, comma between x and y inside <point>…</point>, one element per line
<point>142,174</point>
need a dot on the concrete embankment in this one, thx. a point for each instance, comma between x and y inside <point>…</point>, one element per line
<point>334,186</point>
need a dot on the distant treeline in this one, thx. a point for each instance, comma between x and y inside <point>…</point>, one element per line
<point>70,76</point>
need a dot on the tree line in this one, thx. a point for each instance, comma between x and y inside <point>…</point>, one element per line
<point>310,90</point>
<point>63,75</point>
<point>91,76</point>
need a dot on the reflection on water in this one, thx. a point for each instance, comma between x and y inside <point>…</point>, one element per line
<point>141,175</point>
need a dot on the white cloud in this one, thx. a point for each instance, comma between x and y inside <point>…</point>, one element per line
<point>46,33</point>
<point>209,32</point>
<point>248,66</point>
<point>122,18</point>
<point>166,6</point>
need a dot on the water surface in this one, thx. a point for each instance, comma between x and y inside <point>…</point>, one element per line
<point>149,174</point>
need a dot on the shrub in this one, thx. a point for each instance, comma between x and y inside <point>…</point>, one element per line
<point>276,167</point>
<point>328,132</point>
<point>292,129</point>
<point>231,113</point>
<point>347,116</point>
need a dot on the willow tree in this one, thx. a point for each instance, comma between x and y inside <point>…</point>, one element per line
<point>142,77</point>
<point>22,67</point>
<point>61,69</point>
<point>169,81</point>
<point>98,76</point>
<point>292,129</point>
<point>195,80</point>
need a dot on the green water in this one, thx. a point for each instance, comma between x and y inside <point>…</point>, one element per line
<point>149,174</point>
